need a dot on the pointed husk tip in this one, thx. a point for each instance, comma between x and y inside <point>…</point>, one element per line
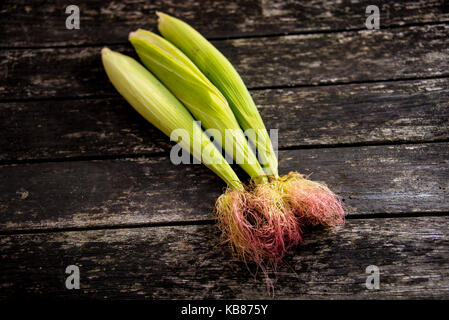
<point>105,50</point>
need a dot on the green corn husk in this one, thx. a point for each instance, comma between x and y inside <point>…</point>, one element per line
<point>199,95</point>
<point>224,76</point>
<point>158,105</point>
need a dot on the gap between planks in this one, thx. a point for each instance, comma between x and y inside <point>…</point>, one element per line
<point>192,262</point>
<point>251,89</point>
<point>400,112</point>
<point>209,222</point>
<point>163,154</point>
<point>241,37</point>
<point>371,180</point>
<point>251,18</point>
<point>293,61</point>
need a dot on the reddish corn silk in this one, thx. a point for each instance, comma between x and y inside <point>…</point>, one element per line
<point>265,220</point>
<point>312,202</point>
<point>256,224</point>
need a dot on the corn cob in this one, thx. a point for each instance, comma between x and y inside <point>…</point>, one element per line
<point>198,94</point>
<point>158,105</point>
<point>224,76</point>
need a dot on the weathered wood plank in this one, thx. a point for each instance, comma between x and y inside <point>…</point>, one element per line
<point>263,62</point>
<point>342,114</point>
<point>71,128</point>
<point>190,262</point>
<point>358,113</point>
<point>42,23</point>
<point>376,179</point>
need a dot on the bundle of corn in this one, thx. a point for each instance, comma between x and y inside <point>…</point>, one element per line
<point>260,220</point>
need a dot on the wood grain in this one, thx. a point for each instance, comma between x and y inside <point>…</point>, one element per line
<point>42,23</point>
<point>79,194</point>
<point>189,262</point>
<point>86,181</point>
<point>411,111</point>
<point>298,60</point>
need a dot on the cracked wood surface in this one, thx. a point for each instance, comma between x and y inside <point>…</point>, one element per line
<point>355,56</point>
<point>410,111</point>
<point>76,157</point>
<point>190,262</point>
<point>76,194</point>
<point>42,23</point>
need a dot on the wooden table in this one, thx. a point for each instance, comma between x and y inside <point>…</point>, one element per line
<point>86,181</point>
